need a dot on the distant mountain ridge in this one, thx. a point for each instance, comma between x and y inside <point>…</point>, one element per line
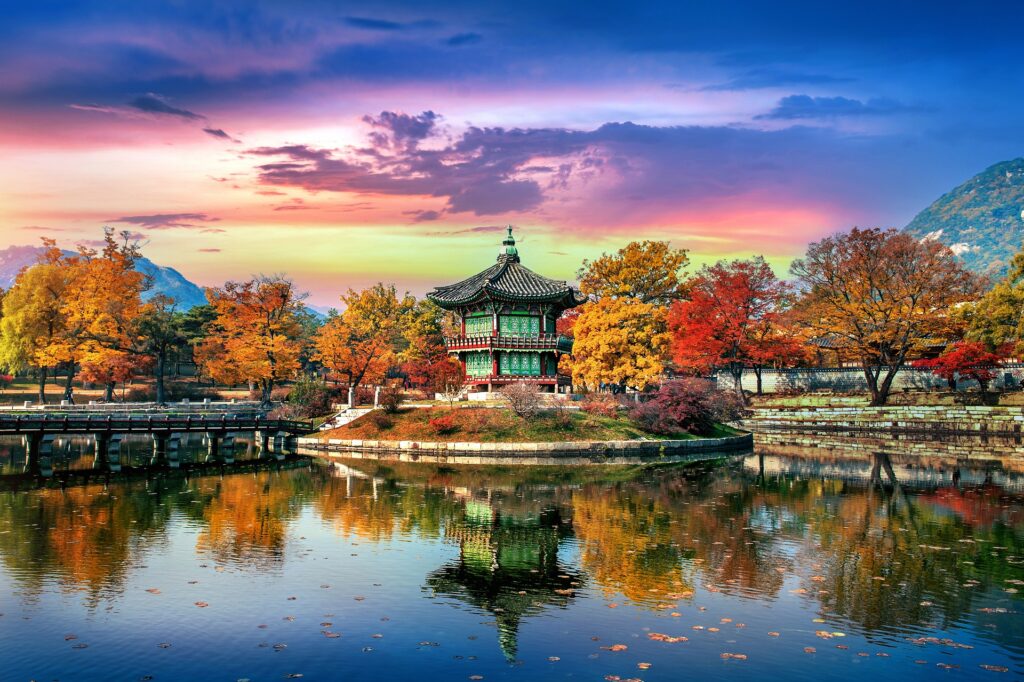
<point>982,220</point>
<point>167,281</point>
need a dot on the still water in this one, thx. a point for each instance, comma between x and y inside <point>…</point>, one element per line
<point>758,568</point>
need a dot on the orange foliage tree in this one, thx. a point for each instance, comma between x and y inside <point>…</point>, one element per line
<point>256,335</point>
<point>883,296</point>
<point>733,320</point>
<point>362,343</point>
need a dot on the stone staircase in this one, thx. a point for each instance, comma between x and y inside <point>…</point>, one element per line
<point>345,416</point>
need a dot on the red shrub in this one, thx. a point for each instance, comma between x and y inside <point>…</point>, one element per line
<point>688,405</point>
<point>444,425</point>
<point>601,404</point>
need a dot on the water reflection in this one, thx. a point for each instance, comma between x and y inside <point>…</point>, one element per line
<point>865,544</point>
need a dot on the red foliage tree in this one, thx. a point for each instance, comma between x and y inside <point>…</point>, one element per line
<point>965,360</point>
<point>733,320</point>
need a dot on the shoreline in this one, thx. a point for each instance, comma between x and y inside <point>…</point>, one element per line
<point>528,454</point>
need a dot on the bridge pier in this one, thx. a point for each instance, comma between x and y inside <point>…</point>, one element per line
<point>166,449</point>
<point>220,446</point>
<point>39,453</point>
<point>108,451</point>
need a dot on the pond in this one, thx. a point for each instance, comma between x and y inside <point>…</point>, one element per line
<point>755,567</point>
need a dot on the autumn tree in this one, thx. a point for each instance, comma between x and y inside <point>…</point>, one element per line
<point>364,341</point>
<point>620,342</point>
<point>102,305</point>
<point>256,335</point>
<point>971,360</point>
<point>997,318</point>
<point>733,320</point>
<point>620,334</point>
<point>34,318</point>
<point>648,271</point>
<point>882,294</point>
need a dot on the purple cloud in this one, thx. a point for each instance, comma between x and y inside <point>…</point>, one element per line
<point>163,221</point>
<point>155,104</point>
<point>807,107</point>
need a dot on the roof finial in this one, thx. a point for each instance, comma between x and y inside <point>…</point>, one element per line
<point>509,252</point>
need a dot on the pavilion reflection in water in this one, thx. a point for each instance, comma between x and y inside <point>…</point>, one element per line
<point>508,565</point>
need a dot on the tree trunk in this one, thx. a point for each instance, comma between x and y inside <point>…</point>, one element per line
<point>159,378</point>
<point>268,388</point>
<point>880,391</point>
<point>757,375</point>
<point>736,369</point>
<point>108,394</point>
<point>42,385</point>
<point>68,390</point>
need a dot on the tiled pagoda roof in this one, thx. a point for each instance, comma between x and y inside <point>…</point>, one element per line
<point>507,280</point>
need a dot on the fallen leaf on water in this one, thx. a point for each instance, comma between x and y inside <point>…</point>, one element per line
<point>202,604</point>
<point>994,668</point>
<point>68,638</point>
<point>164,645</point>
<point>331,635</point>
<point>83,645</point>
<point>659,637</point>
<point>613,605</point>
<point>773,634</point>
<point>810,650</point>
<point>615,647</point>
<point>737,657</point>
<point>643,665</point>
<point>153,590</point>
<point>553,658</point>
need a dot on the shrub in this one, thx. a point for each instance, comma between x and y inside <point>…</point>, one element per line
<point>601,404</point>
<point>562,415</point>
<point>391,399</point>
<point>310,397</point>
<point>687,405</point>
<point>381,420</point>
<point>364,395</point>
<point>523,399</point>
<point>443,425</point>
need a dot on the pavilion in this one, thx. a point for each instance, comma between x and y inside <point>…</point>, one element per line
<point>507,315</point>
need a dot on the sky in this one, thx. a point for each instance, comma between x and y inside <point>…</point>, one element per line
<point>348,143</point>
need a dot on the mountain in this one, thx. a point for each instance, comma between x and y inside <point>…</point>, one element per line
<point>982,220</point>
<point>167,281</point>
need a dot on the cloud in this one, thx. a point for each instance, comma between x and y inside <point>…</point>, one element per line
<point>807,107</point>
<point>41,228</point>
<point>755,79</point>
<point>163,221</point>
<point>461,39</point>
<point>374,24</point>
<point>401,130</point>
<point>208,250</point>
<point>218,133</point>
<point>155,104</point>
<point>423,216</point>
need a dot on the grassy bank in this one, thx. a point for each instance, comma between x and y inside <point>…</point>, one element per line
<point>490,425</point>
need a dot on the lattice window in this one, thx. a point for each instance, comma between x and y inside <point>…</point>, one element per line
<point>479,325</point>
<point>519,325</point>
<point>519,364</point>
<point>478,364</point>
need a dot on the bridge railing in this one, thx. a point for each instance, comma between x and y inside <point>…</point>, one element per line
<point>186,406</point>
<point>136,423</point>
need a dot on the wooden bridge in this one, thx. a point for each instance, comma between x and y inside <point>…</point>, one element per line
<point>39,431</point>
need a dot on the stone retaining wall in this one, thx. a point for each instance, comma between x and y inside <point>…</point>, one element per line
<point>562,453</point>
<point>851,379</point>
<point>938,419</point>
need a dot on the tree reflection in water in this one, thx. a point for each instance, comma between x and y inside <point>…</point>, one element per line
<point>884,554</point>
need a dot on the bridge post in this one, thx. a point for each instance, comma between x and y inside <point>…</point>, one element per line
<point>107,451</point>
<point>39,453</point>
<point>264,440</point>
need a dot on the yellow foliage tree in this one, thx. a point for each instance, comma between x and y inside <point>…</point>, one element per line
<point>620,342</point>
<point>998,317</point>
<point>649,271</point>
<point>256,335</point>
<point>363,342</point>
<point>34,325</point>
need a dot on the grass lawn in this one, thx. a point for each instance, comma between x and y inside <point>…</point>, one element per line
<point>490,425</point>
